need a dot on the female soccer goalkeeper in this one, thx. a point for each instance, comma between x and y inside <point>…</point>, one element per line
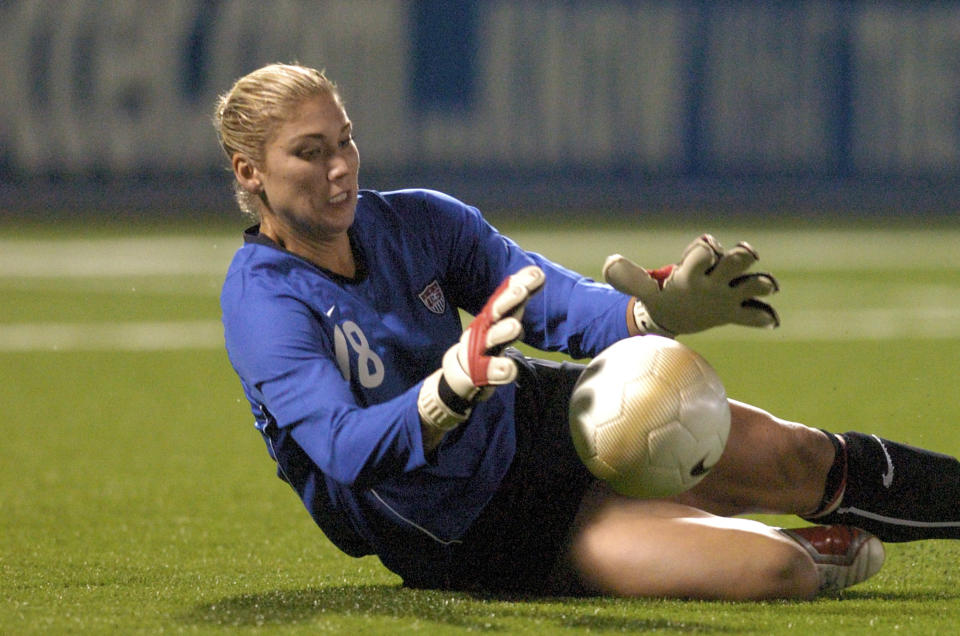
<point>449,457</point>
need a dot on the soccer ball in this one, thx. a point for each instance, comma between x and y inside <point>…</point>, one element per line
<point>649,416</point>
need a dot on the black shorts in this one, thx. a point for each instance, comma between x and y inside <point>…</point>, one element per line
<point>516,544</point>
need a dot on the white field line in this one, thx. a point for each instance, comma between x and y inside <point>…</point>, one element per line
<point>806,250</point>
<point>799,326</point>
<point>780,250</point>
<point>117,336</point>
<point>113,258</point>
<point>148,259</point>
<point>856,324</point>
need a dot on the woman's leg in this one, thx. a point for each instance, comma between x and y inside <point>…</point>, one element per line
<point>769,465</point>
<point>633,547</point>
<point>677,548</point>
<point>895,491</point>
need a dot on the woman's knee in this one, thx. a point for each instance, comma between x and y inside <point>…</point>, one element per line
<point>796,452</point>
<point>798,459</point>
<point>786,572</point>
<point>769,464</point>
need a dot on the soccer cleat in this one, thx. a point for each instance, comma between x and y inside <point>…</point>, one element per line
<point>844,555</point>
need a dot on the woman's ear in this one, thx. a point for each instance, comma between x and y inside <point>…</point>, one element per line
<point>247,174</point>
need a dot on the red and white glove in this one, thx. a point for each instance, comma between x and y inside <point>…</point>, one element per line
<point>707,288</point>
<point>473,367</point>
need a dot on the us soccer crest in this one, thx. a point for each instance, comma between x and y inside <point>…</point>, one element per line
<point>432,297</point>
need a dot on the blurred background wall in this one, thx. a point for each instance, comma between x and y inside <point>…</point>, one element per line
<point>527,105</point>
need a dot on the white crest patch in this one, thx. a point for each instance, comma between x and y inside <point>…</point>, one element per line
<point>432,297</point>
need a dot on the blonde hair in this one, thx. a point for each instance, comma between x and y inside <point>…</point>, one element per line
<point>247,115</point>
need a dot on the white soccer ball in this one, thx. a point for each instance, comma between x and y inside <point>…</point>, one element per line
<point>649,416</point>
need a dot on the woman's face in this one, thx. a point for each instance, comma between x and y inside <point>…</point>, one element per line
<point>310,169</point>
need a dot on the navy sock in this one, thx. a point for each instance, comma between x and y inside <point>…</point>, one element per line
<point>897,492</point>
<point>836,482</point>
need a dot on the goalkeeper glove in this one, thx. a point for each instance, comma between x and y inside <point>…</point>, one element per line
<point>707,288</point>
<point>473,367</point>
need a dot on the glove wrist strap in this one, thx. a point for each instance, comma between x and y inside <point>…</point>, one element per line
<point>646,324</point>
<point>451,398</point>
<point>434,411</point>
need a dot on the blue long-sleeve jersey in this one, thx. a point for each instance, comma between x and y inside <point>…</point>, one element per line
<point>332,367</point>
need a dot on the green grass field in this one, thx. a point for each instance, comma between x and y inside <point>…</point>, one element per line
<point>137,496</point>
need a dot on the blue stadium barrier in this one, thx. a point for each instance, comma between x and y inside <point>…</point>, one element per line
<point>608,105</point>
